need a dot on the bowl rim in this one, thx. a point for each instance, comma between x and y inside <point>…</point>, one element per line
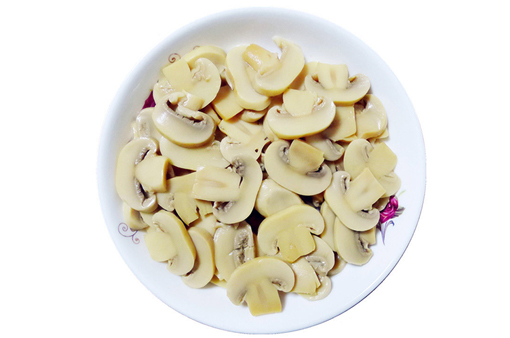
<point>126,87</point>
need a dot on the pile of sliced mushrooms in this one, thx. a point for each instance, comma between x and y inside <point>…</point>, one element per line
<point>258,172</point>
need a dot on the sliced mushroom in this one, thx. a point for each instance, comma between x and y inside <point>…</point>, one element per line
<point>258,281</point>
<point>179,198</point>
<point>203,80</point>
<point>371,119</point>
<point>237,210</point>
<point>216,184</point>
<point>152,172</point>
<point>304,158</point>
<point>307,281</point>
<point>364,191</point>
<point>331,151</point>
<point>339,265</point>
<point>252,115</point>
<point>332,76</point>
<point>128,187</point>
<point>343,125</point>
<point>238,78</point>
<point>191,158</point>
<point>203,269</point>
<point>322,291</point>
<point>233,246</point>
<point>277,165</point>
<point>133,218</point>
<point>329,222</point>
<point>231,148</point>
<point>240,130</point>
<point>225,103</point>
<point>182,126</point>
<point>335,196</point>
<point>355,88</point>
<point>350,245</point>
<point>206,222</point>
<point>160,245</point>
<point>322,259</point>
<point>288,126</point>
<point>144,125</point>
<point>273,198</point>
<point>184,258</point>
<point>214,54</point>
<point>310,68</point>
<point>299,102</point>
<point>289,232</point>
<point>277,77</point>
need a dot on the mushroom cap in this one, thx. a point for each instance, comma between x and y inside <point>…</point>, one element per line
<point>213,53</point>
<point>273,198</point>
<point>322,259</point>
<point>371,119</point>
<point>128,187</point>
<point>191,158</point>
<point>322,291</point>
<point>289,231</point>
<point>350,246</point>
<point>356,89</point>
<point>278,168</point>
<point>204,267</point>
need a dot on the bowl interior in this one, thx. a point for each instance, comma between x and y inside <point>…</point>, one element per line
<point>320,41</point>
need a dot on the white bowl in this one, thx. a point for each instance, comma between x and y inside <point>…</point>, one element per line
<point>320,41</point>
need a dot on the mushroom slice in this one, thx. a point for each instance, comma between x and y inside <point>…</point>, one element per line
<point>184,258</point>
<point>258,281</point>
<point>182,126</point>
<point>364,191</point>
<point>322,259</point>
<point>133,218</point>
<point>356,157</point>
<point>206,222</point>
<point>343,125</point>
<point>160,245</point>
<point>128,187</point>
<point>203,269</point>
<point>335,197</point>
<point>329,222</point>
<point>225,103</point>
<point>144,125</point>
<point>214,54</point>
<point>307,281</point>
<point>238,209</point>
<point>350,245</point>
<point>332,76</point>
<point>191,158</point>
<point>230,147</point>
<point>391,183</point>
<point>371,119</point>
<point>152,172</point>
<point>252,115</point>
<point>234,246</point>
<point>240,130</point>
<point>288,126</point>
<point>322,291</point>
<point>289,232</point>
<point>203,80</point>
<point>303,157</point>
<point>382,160</point>
<point>331,151</point>
<point>277,165</point>
<point>179,198</point>
<point>310,68</point>
<point>355,89</point>
<point>277,77</point>
<point>216,184</point>
<point>273,198</point>
<point>239,80</point>
<point>299,102</point>
<point>339,265</point>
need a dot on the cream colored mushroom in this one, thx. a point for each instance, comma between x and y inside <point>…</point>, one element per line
<point>343,125</point>
<point>310,68</point>
<point>160,245</point>
<point>289,232</point>
<point>304,158</point>
<point>339,265</point>
<point>191,158</point>
<point>252,116</point>
<point>371,119</point>
<point>239,80</point>
<point>213,53</point>
<point>322,259</point>
<point>144,125</point>
<point>381,161</point>
<point>216,184</point>
<point>352,247</point>
<point>277,165</point>
<point>179,198</point>
<point>238,209</point>
<point>128,187</point>
<point>257,283</point>
<point>203,80</point>
<point>329,222</point>
<point>133,218</point>
<point>307,281</point>
<point>288,126</point>
<point>152,173</point>
<point>182,126</point>
<point>184,256</point>
<point>335,197</point>
<point>322,291</point>
<point>206,222</point>
<point>234,246</point>
<point>331,151</point>
<point>225,103</point>
<point>342,90</point>
<point>231,148</point>
<point>275,78</point>
<point>364,191</point>
<point>273,198</point>
<point>203,269</point>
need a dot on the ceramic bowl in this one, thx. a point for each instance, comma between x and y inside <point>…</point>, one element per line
<point>321,41</point>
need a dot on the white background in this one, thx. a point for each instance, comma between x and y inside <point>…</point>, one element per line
<point>63,61</point>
